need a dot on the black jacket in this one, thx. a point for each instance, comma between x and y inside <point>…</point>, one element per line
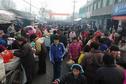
<point>70,79</point>
<point>26,55</point>
<point>109,75</point>
<point>27,59</point>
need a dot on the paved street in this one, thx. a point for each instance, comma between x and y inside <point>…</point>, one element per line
<point>46,79</point>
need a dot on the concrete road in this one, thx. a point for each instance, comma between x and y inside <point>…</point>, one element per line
<point>47,78</point>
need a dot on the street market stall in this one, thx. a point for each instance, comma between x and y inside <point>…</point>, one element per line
<point>10,68</point>
<point>5,19</point>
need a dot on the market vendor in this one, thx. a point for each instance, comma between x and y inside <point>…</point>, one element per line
<point>27,58</point>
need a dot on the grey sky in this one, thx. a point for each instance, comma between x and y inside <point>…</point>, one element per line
<point>58,6</point>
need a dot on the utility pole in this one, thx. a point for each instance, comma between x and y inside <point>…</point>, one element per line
<point>74,4</point>
<point>30,6</point>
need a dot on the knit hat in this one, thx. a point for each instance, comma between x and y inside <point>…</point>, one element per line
<point>78,67</point>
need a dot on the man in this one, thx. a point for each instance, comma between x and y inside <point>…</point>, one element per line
<point>53,36</point>
<point>74,77</point>
<point>41,52</point>
<point>92,61</point>
<point>57,52</point>
<point>115,52</point>
<point>110,73</point>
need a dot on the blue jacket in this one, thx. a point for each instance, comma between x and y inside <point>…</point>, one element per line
<point>57,52</point>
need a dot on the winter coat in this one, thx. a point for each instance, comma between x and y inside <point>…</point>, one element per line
<point>57,52</point>
<point>26,55</point>
<point>70,79</point>
<point>91,63</point>
<point>63,40</point>
<point>27,60</point>
<point>109,75</point>
<point>74,50</point>
<point>47,41</point>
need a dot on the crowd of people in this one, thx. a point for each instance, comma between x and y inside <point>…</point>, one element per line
<point>93,57</point>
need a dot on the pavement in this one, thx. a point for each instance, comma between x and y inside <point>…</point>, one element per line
<point>47,78</point>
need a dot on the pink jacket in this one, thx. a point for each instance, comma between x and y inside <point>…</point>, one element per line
<point>74,50</point>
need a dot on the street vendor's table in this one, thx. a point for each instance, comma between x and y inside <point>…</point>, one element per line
<point>13,64</point>
<point>2,70</point>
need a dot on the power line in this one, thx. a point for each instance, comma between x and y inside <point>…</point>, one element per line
<point>30,4</point>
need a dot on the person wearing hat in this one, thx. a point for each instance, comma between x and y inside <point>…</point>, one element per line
<point>25,53</point>
<point>74,77</point>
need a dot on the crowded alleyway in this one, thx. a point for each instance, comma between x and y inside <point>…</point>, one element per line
<point>47,78</point>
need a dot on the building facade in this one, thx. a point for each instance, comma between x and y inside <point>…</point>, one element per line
<point>99,13</point>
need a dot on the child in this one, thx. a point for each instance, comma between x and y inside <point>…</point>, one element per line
<point>75,77</point>
<point>57,52</point>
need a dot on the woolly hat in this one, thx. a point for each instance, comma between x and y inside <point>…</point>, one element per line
<point>78,67</point>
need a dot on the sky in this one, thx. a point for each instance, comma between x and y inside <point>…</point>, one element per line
<point>57,6</point>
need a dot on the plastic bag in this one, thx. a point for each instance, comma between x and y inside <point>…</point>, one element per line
<point>6,55</point>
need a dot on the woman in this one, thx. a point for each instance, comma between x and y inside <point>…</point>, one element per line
<point>27,58</point>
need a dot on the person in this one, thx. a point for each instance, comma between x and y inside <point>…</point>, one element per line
<point>53,36</point>
<point>115,52</point>
<point>72,35</point>
<point>41,52</point>
<point>57,52</point>
<point>63,39</point>
<point>74,50</point>
<point>122,59</point>
<point>109,73</point>
<point>47,41</point>
<point>74,77</point>
<point>92,61</point>
<point>103,46</point>
<point>27,58</point>
<point>3,41</point>
<point>83,54</point>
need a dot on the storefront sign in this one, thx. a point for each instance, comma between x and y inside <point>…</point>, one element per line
<point>119,10</point>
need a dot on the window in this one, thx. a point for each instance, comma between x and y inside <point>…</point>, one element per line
<point>111,2</point>
<point>99,4</point>
<point>104,3</point>
<point>95,5</point>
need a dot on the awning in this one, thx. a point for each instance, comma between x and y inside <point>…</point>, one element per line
<point>119,18</point>
<point>6,16</point>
